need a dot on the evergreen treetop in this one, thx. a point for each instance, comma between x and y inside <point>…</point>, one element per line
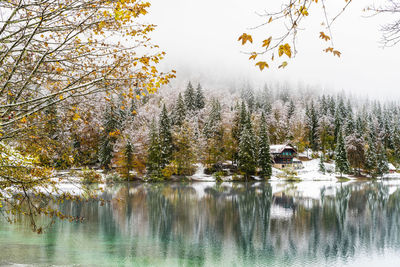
<point>341,161</point>
<point>200,99</point>
<point>190,97</point>
<point>264,155</point>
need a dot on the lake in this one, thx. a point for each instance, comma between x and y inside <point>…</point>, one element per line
<point>229,224</point>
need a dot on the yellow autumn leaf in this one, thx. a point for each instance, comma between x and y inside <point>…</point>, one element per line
<point>303,11</point>
<point>262,64</point>
<point>283,65</point>
<point>23,120</point>
<point>267,42</point>
<point>61,97</point>
<point>253,56</point>
<point>245,37</point>
<point>285,49</point>
<point>76,117</point>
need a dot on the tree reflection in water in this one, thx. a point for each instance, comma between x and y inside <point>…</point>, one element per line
<point>244,224</point>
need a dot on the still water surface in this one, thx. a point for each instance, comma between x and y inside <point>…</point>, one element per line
<point>232,224</point>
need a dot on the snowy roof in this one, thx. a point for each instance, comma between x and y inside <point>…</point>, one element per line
<point>279,148</point>
<point>391,167</point>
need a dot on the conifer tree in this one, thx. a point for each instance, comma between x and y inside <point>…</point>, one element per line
<point>200,99</point>
<point>321,163</point>
<point>337,123</point>
<point>243,116</point>
<point>396,142</point>
<point>382,162</point>
<point>246,155</point>
<point>111,127</point>
<point>291,110</point>
<point>370,159</point>
<point>190,98</point>
<point>153,164</point>
<point>184,149</point>
<point>264,155</point>
<point>212,127</point>
<point>213,132</point>
<point>235,132</point>
<point>179,113</point>
<point>342,164</point>
<point>165,138</point>
<point>312,125</point>
<point>236,123</point>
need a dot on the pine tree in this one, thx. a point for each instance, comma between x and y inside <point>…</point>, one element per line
<point>246,155</point>
<point>396,142</point>
<point>184,149</point>
<point>235,132</point>
<point>321,163</point>
<point>337,123</point>
<point>153,164</point>
<point>190,98</point>
<point>290,110</point>
<point>213,133</point>
<point>165,138</point>
<point>200,99</point>
<point>264,156</point>
<point>212,127</point>
<point>342,164</point>
<point>382,162</point>
<point>312,125</point>
<point>236,123</point>
<point>179,113</point>
<point>370,164</point>
<point>111,127</point>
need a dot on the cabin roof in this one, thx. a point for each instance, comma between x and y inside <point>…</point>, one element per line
<point>391,167</point>
<point>279,148</point>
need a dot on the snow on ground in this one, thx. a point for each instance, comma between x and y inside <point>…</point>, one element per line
<point>201,176</point>
<point>306,154</point>
<point>311,172</point>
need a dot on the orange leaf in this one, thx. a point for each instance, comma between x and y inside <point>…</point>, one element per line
<point>336,53</point>
<point>262,64</point>
<point>253,56</point>
<point>245,37</point>
<point>267,42</point>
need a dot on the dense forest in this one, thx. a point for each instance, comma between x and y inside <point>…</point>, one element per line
<point>169,133</point>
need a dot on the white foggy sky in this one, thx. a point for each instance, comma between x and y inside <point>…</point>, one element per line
<point>200,38</point>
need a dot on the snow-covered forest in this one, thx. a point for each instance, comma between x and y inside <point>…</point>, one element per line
<point>171,132</point>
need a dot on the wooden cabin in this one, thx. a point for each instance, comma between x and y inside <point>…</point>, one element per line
<point>284,156</point>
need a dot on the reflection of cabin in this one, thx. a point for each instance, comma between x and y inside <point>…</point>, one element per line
<point>284,156</point>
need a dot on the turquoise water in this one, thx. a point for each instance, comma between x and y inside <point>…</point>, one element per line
<point>232,224</point>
